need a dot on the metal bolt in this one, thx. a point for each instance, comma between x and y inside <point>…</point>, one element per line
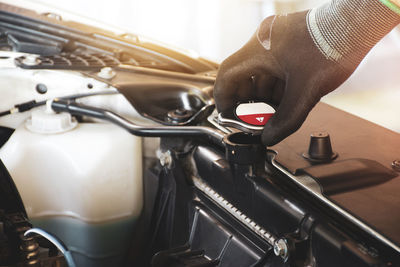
<point>130,36</point>
<point>165,158</point>
<point>106,73</point>
<point>281,249</point>
<point>53,16</point>
<point>396,165</point>
<point>31,60</point>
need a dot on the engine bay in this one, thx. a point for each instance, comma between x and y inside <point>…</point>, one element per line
<point>112,154</point>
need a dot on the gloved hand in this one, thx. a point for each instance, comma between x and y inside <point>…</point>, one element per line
<point>295,59</point>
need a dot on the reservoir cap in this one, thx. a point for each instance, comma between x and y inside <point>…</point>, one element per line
<point>46,121</point>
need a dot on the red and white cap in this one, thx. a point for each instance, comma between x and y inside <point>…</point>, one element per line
<point>257,113</point>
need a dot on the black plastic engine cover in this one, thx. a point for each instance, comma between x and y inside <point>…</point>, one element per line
<point>361,179</point>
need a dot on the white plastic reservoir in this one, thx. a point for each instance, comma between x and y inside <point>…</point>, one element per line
<point>83,184</point>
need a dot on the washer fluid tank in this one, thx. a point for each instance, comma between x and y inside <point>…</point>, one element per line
<point>82,182</point>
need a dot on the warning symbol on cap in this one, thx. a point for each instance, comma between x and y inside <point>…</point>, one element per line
<point>254,113</point>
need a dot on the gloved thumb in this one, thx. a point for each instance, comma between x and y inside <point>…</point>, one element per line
<point>292,111</point>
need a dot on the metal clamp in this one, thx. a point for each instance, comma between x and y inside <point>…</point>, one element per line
<point>240,125</point>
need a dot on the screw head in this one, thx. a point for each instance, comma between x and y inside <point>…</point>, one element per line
<point>396,165</point>
<point>106,73</point>
<point>165,158</point>
<point>281,249</point>
<point>31,60</point>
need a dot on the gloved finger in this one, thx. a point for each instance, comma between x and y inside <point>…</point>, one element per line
<point>238,68</point>
<point>225,93</point>
<point>263,87</point>
<point>232,82</point>
<point>277,92</point>
<point>291,113</point>
<point>246,91</point>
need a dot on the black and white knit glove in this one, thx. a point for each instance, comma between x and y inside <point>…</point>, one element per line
<point>293,60</point>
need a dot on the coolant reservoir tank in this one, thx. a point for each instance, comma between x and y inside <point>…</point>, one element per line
<point>82,182</point>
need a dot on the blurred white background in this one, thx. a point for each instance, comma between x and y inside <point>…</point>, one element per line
<point>212,28</point>
<point>217,28</point>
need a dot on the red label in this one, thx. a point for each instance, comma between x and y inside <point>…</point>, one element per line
<point>256,119</point>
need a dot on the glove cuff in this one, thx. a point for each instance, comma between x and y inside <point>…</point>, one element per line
<point>345,30</point>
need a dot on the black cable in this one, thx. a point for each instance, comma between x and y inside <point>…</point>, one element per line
<point>26,106</point>
<point>4,113</point>
<point>22,107</point>
<point>206,133</point>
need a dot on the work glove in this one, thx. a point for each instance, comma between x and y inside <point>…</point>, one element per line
<point>293,60</point>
